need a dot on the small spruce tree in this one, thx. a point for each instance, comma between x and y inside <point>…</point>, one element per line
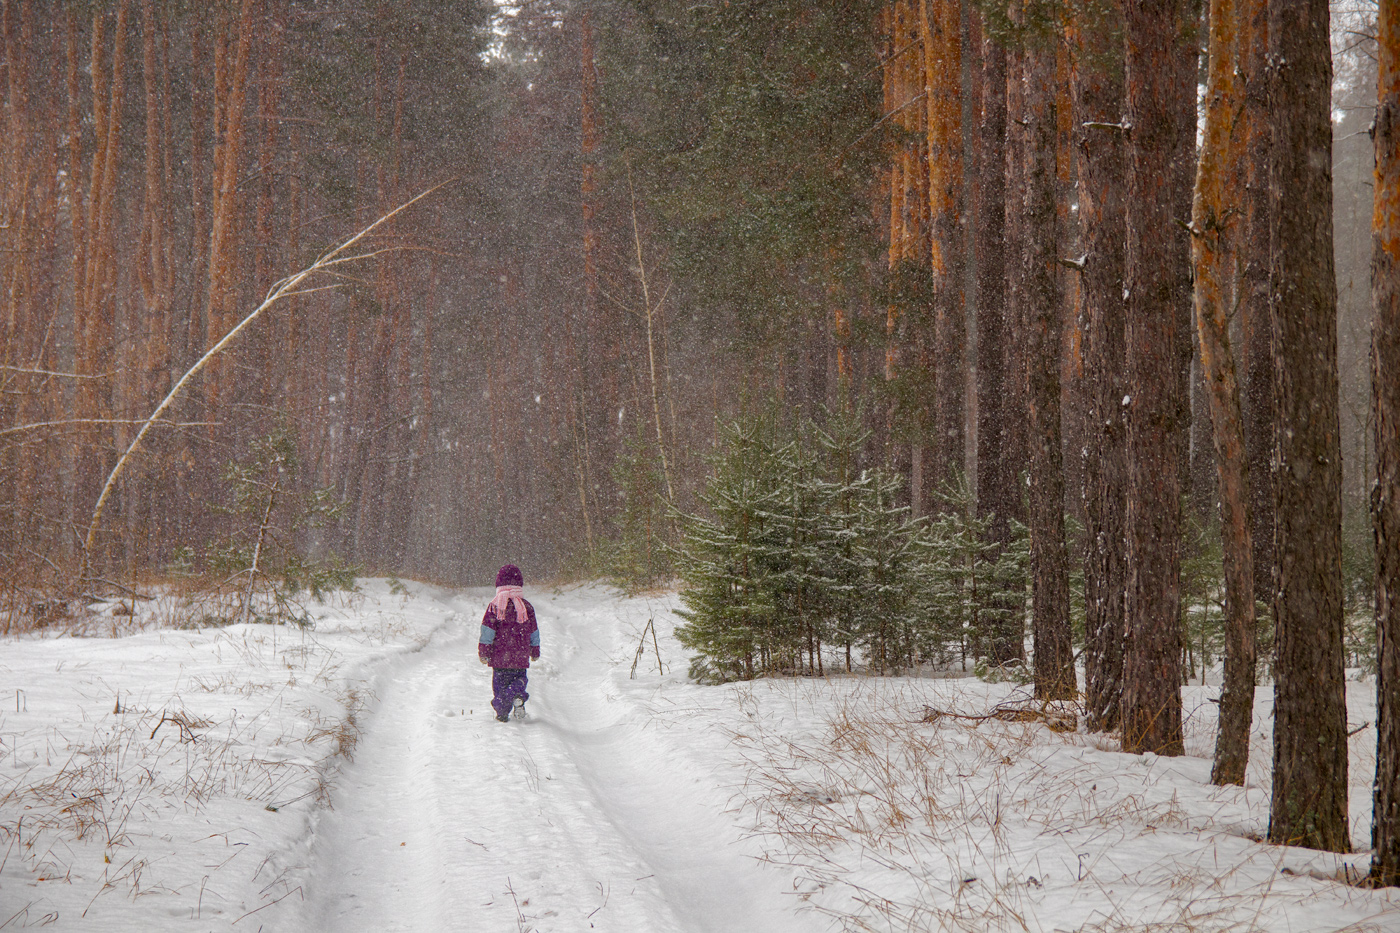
<point>727,559</point>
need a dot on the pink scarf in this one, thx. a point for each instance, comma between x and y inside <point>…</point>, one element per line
<point>508,594</point>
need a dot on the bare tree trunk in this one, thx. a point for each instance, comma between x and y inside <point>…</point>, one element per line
<point>941,24</point>
<point>153,268</point>
<point>1101,140</point>
<point>996,478</point>
<point>1050,629</point>
<point>95,358</point>
<point>199,176</point>
<point>1385,504</point>
<point>1217,204</point>
<point>77,223</point>
<point>589,138</point>
<point>228,157</point>
<point>1309,805</point>
<point>1253,296</point>
<point>1016,451</point>
<point>908,246</point>
<point>1160,59</point>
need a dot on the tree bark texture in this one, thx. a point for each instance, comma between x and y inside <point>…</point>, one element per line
<point>1385,503</point>
<point>941,24</point>
<point>1015,454</point>
<point>229,122</point>
<point>1309,805</point>
<point>1160,59</point>
<point>1098,103</point>
<point>1050,628</point>
<point>997,495</point>
<point>1252,295</point>
<point>1214,227</point>
<point>97,329</point>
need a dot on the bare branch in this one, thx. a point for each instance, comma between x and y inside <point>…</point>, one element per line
<point>279,291</point>
<point>21,428</point>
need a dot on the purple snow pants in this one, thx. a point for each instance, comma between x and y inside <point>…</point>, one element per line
<point>507,683</point>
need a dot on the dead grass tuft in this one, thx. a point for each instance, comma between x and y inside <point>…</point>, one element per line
<point>900,814</point>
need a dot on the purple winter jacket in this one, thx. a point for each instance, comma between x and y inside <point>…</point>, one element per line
<point>507,642</point>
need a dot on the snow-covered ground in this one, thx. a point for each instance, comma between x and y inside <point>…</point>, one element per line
<point>353,778</point>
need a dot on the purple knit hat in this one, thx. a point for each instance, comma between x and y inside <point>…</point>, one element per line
<point>509,575</point>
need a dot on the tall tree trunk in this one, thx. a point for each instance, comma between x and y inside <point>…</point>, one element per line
<point>996,479</point>
<point>909,251</point>
<point>1253,295</point>
<point>1213,222</point>
<point>1016,451</point>
<point>1098,103</point>
<point>1160,59</point>
<point>97,348</point>
<point>229,108</point>
<point>77,225</point>
<point>1385,503</point>
<point>200,186</point>
<point>941,23</point>
<point>589,139</point>
<point>22,213</point>
<point>1050,629</point>
<point>155,275</point>
<point>1067,222</point>
<point>1309,805</point>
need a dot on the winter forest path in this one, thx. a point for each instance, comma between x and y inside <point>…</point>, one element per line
<point>584,816</point>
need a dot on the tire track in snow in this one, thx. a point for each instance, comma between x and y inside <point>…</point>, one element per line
<point>579,818</point>
<point>663,801</point>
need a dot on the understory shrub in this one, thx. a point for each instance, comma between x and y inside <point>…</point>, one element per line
<point>799,547</point>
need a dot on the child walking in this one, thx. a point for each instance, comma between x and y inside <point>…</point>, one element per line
<point>510,640</point>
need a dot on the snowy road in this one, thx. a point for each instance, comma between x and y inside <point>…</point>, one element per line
<point>589,815</point>
<point>626,805</point>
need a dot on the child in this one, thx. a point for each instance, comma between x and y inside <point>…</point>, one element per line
<point>510,640</point>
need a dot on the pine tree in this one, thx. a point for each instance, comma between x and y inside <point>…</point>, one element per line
<point>838,444</point>
<point>884,552</point>
<point>970,589</point>
<point>1385,504</point>
<point>805,582</point>
<point>1309,802</point>
<point>726,560</point>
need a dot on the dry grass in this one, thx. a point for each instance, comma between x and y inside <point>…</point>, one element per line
<point>153,602</point>
<point>102,789</point>
<point>897,820</point>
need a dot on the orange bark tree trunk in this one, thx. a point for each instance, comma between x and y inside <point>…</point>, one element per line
<point>230,98</point>
<point>941,26</point>
<point>1217,205</point>
<point>1160,60</point>
<point>1385,506</point>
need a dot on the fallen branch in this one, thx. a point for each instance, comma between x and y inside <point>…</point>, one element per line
<point>1057,720</point>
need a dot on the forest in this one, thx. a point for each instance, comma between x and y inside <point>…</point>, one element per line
<point>1060,336</point>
